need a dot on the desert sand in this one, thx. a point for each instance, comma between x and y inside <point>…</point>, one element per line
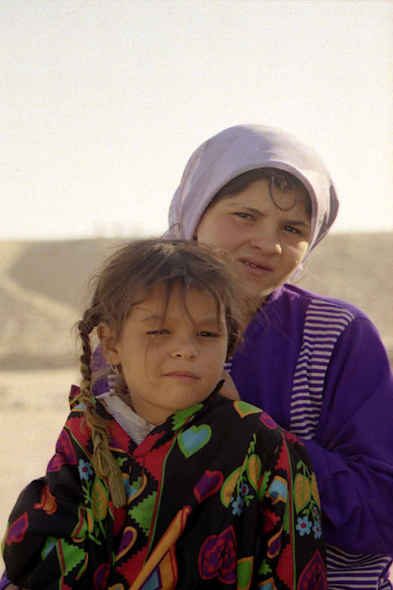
<point>34,408</point>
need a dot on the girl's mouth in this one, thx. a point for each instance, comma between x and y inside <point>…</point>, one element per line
<point>255,268</point>
<point>182,376</point>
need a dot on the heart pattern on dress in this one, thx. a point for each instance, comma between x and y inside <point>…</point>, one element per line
<point>17,530</point>
<point>194,439</point>
<point>209,484</point>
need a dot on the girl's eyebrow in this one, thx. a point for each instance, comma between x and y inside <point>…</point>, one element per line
<point>297,222</point>
<point>210,321</point>
<point>251,209</point>
<point>257,212</point>
<point>205,321</point>
<point>153,317</point>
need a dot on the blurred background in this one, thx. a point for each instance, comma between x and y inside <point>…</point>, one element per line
<point>102,103</point>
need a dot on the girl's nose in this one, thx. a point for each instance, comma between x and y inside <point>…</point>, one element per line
<point>267,241</point>
<point>185,349</point>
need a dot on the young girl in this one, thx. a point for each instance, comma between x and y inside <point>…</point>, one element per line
<point>315,364</point>
<point>160,482</point>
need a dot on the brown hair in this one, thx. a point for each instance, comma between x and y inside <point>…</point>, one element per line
<point>278,180</point>
<point>127,279</point>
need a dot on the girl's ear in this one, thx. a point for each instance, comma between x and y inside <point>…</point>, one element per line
<point>106,334</point>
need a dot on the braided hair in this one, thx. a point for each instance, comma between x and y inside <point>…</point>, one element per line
<point>103,462</point>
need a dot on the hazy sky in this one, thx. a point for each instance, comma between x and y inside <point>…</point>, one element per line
<point>103,101</point>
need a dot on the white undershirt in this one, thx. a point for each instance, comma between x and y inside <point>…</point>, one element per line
<point>134,425</point>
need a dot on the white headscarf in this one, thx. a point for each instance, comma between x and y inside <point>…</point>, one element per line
<point>242,148</point>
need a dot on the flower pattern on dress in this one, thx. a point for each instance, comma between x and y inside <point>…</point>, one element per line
<point>244,489</point>
<point>235,490</point>
<point>85,469</point>
<point>307,504</point>
<point>317,530</point>
<point>237,506</point>
<point>303,526</point>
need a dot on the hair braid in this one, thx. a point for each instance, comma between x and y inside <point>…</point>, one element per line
<point>103,462</point>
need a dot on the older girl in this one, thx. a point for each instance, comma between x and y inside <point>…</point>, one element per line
<point>316,364</point>
<point>160,482</point>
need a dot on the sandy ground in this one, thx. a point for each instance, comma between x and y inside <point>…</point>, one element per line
<point>34,407</point>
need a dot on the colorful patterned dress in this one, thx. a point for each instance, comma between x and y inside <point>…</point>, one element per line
<point>218,496</point>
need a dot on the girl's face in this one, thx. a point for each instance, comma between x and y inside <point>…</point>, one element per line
<point>169,360</point>
<point>269,243</point>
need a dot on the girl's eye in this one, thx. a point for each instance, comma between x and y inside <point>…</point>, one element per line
<point>244,215</point>
<point>208,334</point>
<point>291,229</point>
<point>157,332</point>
